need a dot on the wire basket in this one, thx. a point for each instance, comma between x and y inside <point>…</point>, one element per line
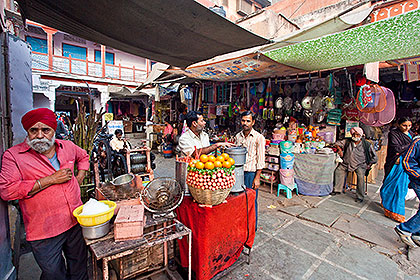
<point>209,197</point>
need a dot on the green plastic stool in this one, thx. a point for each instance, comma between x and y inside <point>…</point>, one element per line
<point>287,189</point>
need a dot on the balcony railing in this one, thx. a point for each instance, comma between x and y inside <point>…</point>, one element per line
<point>69,65</point>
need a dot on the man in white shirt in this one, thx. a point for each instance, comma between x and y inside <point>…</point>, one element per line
<point>118,143</point>
<point>195,138</point>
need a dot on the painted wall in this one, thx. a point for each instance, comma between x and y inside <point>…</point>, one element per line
<point>285,17</point>
<point>127,60</point>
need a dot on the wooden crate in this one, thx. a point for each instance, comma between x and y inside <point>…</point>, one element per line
<point>145,260</point>
<point>129,223</point>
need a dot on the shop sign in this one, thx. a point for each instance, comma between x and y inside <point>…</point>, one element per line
<point>77,90</point>
<point>114,125</point>
<point>349,126</point>
<point>42,86</point>
<point>108,117</point>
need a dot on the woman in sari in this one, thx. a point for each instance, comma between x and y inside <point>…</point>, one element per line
<point>395,185</point>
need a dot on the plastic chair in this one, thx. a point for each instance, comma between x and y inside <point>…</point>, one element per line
<point>287,189</point>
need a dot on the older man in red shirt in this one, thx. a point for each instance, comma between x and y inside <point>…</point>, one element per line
<point>39,172</point>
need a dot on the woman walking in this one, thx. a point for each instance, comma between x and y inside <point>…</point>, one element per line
<point>395,184</point>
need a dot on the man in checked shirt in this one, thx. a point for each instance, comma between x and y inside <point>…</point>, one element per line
<point>254,143</point>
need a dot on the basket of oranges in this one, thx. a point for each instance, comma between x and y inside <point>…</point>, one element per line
<point>211,178</point>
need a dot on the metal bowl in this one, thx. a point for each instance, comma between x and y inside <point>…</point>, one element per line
<point>95,232</point>
<point>124,181</point>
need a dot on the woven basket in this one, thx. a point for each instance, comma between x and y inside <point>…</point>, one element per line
<point>209,197</point>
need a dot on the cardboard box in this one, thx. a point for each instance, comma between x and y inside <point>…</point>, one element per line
<point>129,223</point>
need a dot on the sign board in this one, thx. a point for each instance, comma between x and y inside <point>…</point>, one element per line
<point>350,125</point>
<point>114,125</point>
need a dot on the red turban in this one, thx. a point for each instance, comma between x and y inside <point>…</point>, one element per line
<point>44,115</point>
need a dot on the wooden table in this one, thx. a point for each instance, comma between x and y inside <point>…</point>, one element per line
<point>106,249</point>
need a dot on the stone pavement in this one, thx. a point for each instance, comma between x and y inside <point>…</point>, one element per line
<point>307,237</point>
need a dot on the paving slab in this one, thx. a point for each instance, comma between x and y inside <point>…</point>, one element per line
<point>327,271</point>
<point>411,277</point>
<point>414,254</point>
<point>375,206</point>
<point>369,231</point>
<point>309,238</point>
<point>282,261</point>
<point>248,272</point>
<point>294,210</point>
<point>261,238</point>
<point>324,216</point>
<point>339,207</point>
<point>268,222</point>
<point>345,198</point>
<point>358,258</point>
<point>378,218</point>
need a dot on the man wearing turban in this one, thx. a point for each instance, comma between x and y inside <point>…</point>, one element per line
<point>39,172</point>
<point>358,156</point>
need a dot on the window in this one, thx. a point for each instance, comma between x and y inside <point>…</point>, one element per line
<point>38,45</point>
<point>74,51</point>
<point>109,57</point>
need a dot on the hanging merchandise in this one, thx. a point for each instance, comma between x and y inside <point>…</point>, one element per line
<point>288,105</point>
<point>297,107</point>
<point>384,117</point>
<point>279,103</point>
<point>287,90</point>
<point>365,96</point>
<point>307,102</point>
<point>334,117</point>
<point>378,102</point>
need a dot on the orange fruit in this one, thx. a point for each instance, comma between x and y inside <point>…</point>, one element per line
<point>227,164</point>
<point>204,158</point>
<point>209,165</point>
<point>218,164</point>
<point>212,158</point>
<point>232,161</point>
<point>199,165</point>
<point>220,158</point>
<point>225,155</point>
<point>192,164</point>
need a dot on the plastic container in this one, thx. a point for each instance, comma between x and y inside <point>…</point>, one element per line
<point>97,219</point>
<point>167,150</point>
<point>286,160</point>
<point>286,147</point>
<point>287,177</point>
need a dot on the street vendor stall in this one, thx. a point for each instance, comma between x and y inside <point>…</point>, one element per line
<point>219,234</point>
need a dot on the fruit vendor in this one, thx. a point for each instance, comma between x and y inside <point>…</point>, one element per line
<point>254,143</point>
<point>39,173</point>
<point>195,137</point>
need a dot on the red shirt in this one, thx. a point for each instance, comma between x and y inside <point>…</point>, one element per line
<point>49,212</point>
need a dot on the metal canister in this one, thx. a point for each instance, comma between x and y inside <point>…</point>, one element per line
<point>181,175</point>
<point>239,155</point>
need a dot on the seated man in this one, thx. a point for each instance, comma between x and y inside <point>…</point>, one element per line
<point>118,143</point>
<point>195,137</point>
<point>358,155</point>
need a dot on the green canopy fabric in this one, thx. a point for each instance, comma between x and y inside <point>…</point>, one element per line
<point>393,38</point>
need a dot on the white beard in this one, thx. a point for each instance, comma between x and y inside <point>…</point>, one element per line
<point>40,145</point>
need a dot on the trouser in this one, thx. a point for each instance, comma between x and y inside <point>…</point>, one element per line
<point>340,175</point>
<point>413,224</point>
<point>248,180</point>
<point>48,254</point>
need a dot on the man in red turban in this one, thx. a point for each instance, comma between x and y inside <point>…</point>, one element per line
<point>39,172</point>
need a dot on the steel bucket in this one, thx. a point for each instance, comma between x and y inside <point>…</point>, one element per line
<point>239,180</point>
<point>238,154</point>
